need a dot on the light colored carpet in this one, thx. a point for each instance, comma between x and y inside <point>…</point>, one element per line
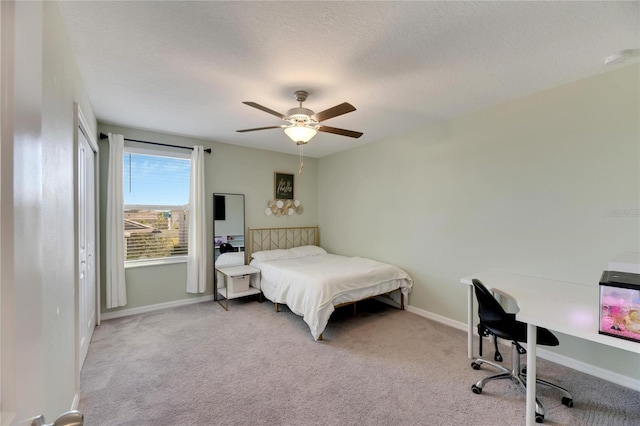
<point>200,365</point>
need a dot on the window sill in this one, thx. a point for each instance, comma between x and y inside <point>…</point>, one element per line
<point>154,262</point>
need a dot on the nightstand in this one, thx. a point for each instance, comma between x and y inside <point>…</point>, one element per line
<point>230,276</point>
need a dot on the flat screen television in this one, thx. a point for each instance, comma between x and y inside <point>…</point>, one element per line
<point>219,207</point>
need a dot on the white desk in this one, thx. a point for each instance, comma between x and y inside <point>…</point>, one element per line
<point>565,307</point>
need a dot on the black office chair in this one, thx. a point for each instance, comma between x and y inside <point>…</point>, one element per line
<point>494,321</point>
<point>226,248</point>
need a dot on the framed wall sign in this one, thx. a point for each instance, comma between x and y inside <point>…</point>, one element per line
<point>283,185</point>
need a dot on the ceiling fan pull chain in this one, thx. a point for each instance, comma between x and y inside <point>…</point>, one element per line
<point>301,160</point>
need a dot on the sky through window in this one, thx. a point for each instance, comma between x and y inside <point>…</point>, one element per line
<point>155,180</point>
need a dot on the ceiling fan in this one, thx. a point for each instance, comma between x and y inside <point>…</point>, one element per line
<point>304,123</point>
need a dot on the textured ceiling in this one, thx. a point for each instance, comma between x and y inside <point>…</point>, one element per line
<point>185,67</point>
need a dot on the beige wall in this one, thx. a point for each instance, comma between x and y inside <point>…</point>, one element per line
<point>229,169</point>
<point>527,187</point>
<point>233,223</point>
<point>38,311</point>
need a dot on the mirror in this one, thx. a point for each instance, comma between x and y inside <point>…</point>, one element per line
<point>228,222</point>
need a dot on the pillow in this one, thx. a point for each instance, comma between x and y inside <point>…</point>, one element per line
<point>304,251</point>
<point>267,255</point>
<point>230,259</point>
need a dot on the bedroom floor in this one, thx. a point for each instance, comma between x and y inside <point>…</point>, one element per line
<point>200,365</point>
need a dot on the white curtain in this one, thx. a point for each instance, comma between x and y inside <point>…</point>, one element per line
<point>116,286</point>
<point>196,261</point>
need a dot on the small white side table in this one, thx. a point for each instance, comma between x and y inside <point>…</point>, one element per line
<point>235,271</point>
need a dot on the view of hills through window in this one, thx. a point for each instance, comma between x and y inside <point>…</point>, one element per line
<point>156,206</point>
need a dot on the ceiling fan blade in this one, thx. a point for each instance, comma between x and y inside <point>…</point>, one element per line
<point>265,109</point>
<point>262,128</point>
<point>341,132</point>
<point>335,111</point>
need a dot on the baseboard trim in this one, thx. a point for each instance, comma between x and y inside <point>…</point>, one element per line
<point>438,318</point>
<point>566,361</point>
<point>150,308</point>
<point>599,372</point>
<point>387,300</point>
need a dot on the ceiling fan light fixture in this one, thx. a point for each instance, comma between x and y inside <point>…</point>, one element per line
<point>304,123</point>
<point>300,134</point>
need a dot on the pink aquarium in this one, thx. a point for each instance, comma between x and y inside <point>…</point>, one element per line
<point>620,305</point>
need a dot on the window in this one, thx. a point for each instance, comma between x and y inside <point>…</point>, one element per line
<point>156,205</point>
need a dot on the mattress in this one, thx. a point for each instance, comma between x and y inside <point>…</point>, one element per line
<point>311,286</point>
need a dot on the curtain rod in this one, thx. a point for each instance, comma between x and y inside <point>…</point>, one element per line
<point>208,150</point>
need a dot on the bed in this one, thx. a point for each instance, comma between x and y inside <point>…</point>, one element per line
<point>295,271</point>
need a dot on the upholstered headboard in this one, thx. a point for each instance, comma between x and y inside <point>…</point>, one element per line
<point>280,238</point>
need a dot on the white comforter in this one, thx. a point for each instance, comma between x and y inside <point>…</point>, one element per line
<point>312,285</point>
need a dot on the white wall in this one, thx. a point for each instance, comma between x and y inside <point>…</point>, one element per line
<point>38,336</point>
<point>528,187</point>
<point>233,223</point>
<point>229,169</point>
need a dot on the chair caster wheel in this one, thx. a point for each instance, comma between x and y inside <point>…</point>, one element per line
<point>524,370</point>
<point>567,401</point>
<point>539,418</point>
<point>498,358</point>
<point>477,390</point>
<point>475,365</point>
